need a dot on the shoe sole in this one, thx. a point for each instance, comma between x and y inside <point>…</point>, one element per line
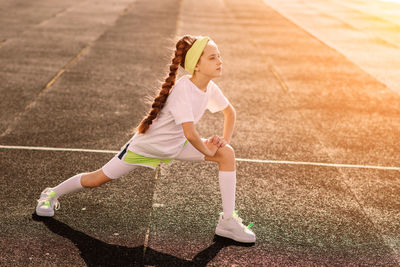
<point>230,235</point>
<point>45,214</point>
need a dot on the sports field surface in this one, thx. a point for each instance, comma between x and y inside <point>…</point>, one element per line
<point>316,88</point>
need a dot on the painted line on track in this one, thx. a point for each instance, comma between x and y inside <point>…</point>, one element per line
<point>321,164</point>
<point>60,149</point>
<point>287,162</point>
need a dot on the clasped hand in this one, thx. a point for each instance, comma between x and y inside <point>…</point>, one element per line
<point>217,141</point>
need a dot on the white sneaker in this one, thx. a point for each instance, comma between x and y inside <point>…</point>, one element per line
<point>233,228</point>
<point>47,203</point>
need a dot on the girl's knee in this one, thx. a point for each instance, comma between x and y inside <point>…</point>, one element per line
<point>227,153</point>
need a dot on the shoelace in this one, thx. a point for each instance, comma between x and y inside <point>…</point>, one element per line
<point>236,217</point>
<point>47,200</point>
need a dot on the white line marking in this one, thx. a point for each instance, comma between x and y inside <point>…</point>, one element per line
<point>146,239</point>
<point>60,149</point>
<point>321,164</point>
<point>392,168</point>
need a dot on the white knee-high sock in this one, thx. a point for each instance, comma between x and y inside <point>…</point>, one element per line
<point>227,186</point>
<point>71,185</point>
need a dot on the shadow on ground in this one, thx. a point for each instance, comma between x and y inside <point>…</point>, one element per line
<point>98,253</point>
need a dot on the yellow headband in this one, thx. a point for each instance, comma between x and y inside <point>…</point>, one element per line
<point>194,53</point>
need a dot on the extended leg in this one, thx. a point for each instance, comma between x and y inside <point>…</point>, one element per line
<point>48,201</point>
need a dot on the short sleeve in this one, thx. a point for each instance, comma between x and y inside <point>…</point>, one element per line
<point>217,101</point>
<point>180,104</point>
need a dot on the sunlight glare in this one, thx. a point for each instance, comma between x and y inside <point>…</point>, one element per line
<point>393,1</point>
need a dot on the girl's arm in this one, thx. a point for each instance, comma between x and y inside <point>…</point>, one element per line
<point>194,138</point>
<point>229,122</point>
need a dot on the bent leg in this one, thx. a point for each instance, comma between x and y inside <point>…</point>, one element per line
<point>225,157</point>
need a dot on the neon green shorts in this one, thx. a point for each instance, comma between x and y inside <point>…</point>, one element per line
<point>133,158</point>
<point>126,160</point>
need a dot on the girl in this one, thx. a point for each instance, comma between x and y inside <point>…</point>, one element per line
<point>168,132</point>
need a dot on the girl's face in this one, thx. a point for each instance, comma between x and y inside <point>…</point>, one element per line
<point>210,63</point>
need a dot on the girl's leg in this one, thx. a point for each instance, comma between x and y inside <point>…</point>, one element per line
<point>229,224</point>
<point>94,179</point>
<point>80,181</point>
<point>114,169</point>
<point>225,157</point>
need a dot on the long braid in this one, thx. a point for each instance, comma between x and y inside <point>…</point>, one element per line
<point>182,46</point>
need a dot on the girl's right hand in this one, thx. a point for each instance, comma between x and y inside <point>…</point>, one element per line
<point>211,147</point>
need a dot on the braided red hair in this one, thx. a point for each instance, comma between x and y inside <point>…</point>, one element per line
<point>182,46</point>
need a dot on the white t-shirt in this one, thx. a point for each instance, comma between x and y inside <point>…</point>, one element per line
<point>186,102</point>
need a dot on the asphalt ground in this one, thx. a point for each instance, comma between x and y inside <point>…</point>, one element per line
<point>77,74</point>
